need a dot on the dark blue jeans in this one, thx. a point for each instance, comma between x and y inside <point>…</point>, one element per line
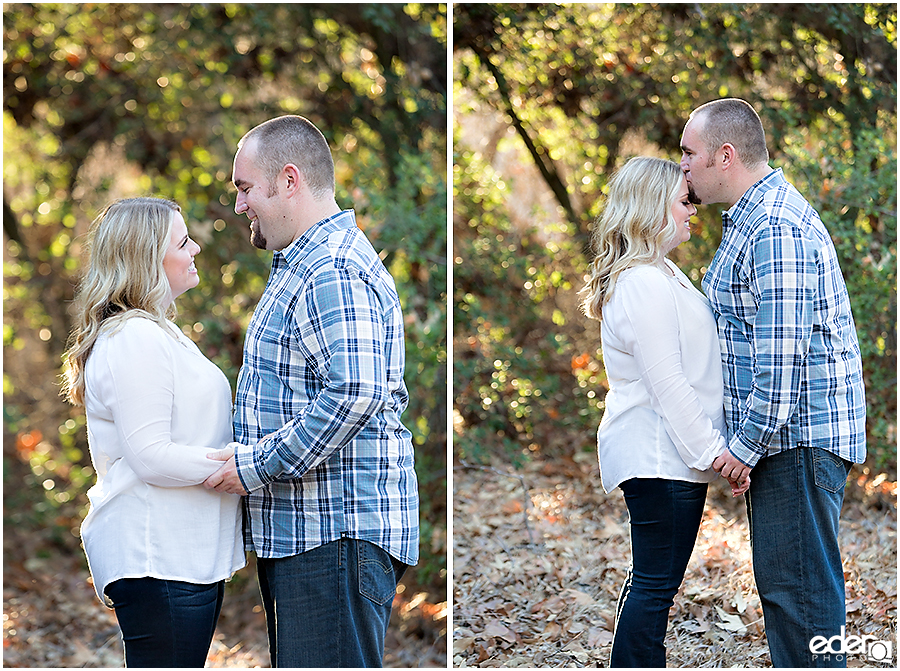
<point>166,623</point>
<point>665,517</point>
<point>329,607</point>
<point>793,507</point>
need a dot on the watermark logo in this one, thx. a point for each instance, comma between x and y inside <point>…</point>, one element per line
<point>838,647</point>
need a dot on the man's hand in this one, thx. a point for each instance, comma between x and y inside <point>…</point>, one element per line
<point>226,479</point>
<point>735,471</point>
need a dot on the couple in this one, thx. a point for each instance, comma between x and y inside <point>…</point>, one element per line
<point>776,323</point>
<point>315,445</point>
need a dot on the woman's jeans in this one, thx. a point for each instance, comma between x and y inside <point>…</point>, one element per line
<point>166,623</point>
<point>793,505</point>
<point>665,517</point>
<point>329,607</point>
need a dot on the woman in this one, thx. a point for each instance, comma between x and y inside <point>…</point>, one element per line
<point>663,424</point>
<point>159,545</point>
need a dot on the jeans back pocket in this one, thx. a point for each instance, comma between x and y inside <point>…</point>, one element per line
<point>377,581</point>
<point>831,471</point>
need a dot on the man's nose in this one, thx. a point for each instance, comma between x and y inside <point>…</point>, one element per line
<point>239,204</point>
<point>684,163</point>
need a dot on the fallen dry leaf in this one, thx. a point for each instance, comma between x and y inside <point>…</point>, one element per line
<point>557,586</point>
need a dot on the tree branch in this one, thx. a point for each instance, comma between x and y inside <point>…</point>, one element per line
<point>540,154</point>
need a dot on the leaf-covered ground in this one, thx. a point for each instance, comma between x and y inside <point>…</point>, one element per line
<point>540,555</point>
<point>51,618</point>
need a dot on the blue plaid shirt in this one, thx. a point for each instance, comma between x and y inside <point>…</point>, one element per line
<point>790,355</point>
<point>324,454</point>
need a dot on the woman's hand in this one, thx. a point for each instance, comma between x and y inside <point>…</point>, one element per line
<point>739,487</point>
<point>735,471</point>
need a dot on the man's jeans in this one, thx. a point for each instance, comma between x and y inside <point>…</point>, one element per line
<point>329,607</point>
<point>166,623</point>
<point>665,516</point>
<point>793,506</point>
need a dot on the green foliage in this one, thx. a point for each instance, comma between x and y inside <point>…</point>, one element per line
<point>586,79</point>
<point>574,90</point>
<point>511,388</point>
<point>854,188</point>
<point>411,231</point>
<point>111,100</point>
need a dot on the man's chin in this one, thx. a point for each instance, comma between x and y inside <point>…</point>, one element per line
<point>692,195</point>
<point>258,240</point>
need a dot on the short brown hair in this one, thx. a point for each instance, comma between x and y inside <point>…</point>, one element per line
<point>294,139</point>
<point>734,121</point>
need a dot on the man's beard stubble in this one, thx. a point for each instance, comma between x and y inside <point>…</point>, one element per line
<point>257,239</point>
<point>692,196</point>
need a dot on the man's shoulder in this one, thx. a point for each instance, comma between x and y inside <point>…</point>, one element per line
<point>784,192</point>
<point>350,250</point>
<point>780,205</point>
<point>782,199</point>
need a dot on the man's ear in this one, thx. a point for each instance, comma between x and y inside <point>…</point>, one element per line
<point>728,155</point>
<point>292,178</point>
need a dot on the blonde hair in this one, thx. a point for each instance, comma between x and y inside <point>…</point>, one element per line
<point>125,278</point>
<point>293,139</point>
<point>636,226</point>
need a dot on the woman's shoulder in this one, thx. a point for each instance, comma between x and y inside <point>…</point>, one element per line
<point>645,287</point>
<point>139,327</point>
<point>643,276</point>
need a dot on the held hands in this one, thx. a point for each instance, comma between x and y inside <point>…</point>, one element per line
<point>226,479</point>
<point>738,488</point>
<point>735,471</point>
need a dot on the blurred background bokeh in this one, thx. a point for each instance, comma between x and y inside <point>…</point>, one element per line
<point>549,100</point>
<point>102,101</point>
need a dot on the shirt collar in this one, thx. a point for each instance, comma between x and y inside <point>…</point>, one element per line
<point>753,196</point>
<point>299,248</point>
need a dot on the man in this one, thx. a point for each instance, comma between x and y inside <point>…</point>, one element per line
<point>326,466</point>
<point>794,396</point>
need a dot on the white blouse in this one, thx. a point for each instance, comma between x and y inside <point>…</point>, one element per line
<point>664,413</point>
<point>155,407</point>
